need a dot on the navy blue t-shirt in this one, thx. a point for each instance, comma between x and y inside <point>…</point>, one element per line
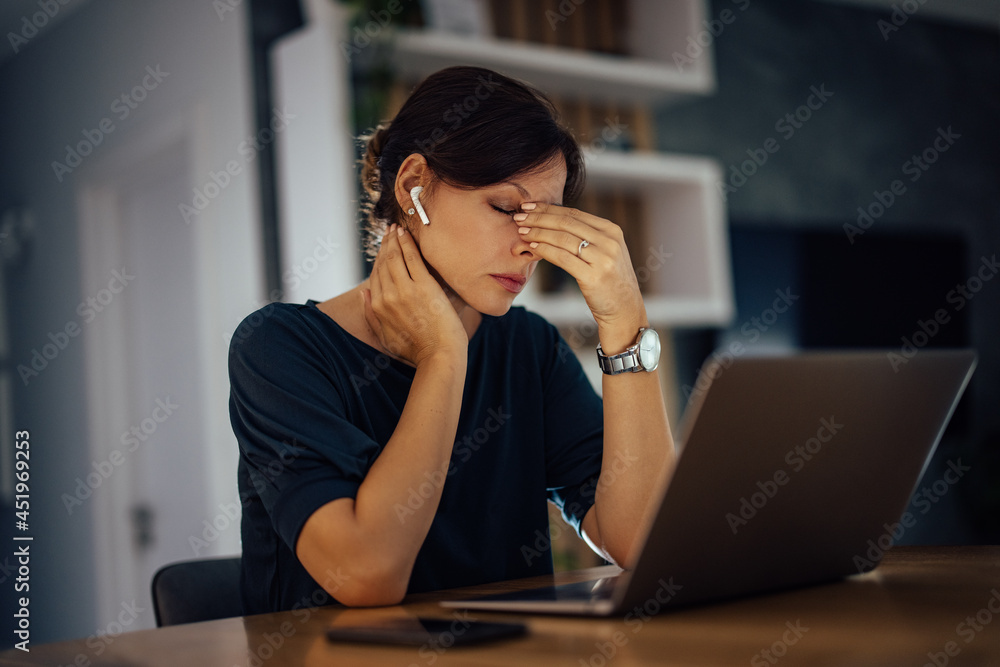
<point>312,406</point>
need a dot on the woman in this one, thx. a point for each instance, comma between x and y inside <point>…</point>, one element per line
<point>405,435</point>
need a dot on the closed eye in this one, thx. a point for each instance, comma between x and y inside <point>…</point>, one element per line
<point>500,210</point>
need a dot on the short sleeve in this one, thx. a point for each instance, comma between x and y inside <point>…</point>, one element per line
<point>298,446</point>
<point>574,428</point>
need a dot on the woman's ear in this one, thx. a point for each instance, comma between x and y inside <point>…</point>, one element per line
<point>413,172</point>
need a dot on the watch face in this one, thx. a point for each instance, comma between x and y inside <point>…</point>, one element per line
<point>649,349</point>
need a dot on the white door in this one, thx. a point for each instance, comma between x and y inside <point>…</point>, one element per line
<point>147,482</point>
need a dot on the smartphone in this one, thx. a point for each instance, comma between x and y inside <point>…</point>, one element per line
<point>432,632</point>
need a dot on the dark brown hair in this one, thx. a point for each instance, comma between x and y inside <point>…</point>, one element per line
<point>475,127</point>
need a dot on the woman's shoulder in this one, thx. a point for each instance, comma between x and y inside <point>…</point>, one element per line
<point>284,329</point>
<point>275,318</point>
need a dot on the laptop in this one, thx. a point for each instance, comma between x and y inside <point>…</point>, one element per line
<point>793,471</point>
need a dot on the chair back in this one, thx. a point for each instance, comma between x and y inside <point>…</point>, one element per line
<point>197,590</point>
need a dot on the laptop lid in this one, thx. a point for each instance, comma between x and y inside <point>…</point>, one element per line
<point>788,467</point>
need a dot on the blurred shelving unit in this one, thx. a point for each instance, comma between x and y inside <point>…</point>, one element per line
<point>683,261</point>
<point>679,242</point>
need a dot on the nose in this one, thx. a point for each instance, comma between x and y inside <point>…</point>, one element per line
<point>523,248</point>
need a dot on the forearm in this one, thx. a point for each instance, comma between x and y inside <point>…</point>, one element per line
<point>375,537</point>
<point>638,449</point>
<point>416,457</point>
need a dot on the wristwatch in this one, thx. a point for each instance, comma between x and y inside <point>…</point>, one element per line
<point>643,356</point>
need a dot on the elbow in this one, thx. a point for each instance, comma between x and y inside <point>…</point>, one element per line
<point>624,559</point>
<point>370,595</point>
<point>355,570</point>
<point>370,587</point>
<point>620,557</point>
<point>626,552</point>
<point>618,548</point>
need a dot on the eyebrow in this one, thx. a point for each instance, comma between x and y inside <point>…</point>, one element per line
<point>520,188</point>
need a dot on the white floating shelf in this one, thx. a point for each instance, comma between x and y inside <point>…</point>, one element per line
<point>660,70</point>
<point>555,70</point>
<point>685,219</point>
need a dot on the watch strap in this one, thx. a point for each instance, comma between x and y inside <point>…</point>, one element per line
<point>623,362</point>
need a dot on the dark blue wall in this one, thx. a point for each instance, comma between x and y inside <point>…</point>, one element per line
<point>890,94</point>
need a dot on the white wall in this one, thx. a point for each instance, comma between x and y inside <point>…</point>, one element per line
<point>59,86</point>
<point>318,189</point>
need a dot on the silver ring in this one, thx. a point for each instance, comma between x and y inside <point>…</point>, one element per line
<point>583,244</point>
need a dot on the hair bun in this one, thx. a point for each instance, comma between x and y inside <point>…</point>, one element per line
<point>371,163</point>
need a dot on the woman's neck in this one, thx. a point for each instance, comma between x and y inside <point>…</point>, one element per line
<point>348,311</point>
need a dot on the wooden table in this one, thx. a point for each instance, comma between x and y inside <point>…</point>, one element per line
<point>923,605</point>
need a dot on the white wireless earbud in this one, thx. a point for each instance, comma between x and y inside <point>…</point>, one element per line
<point>415,196</point>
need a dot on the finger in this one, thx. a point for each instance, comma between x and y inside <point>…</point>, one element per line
<point>554,230</point>
<point>564,259</point>
<point>554,216</point>
<point>395,262</point>
<point>567,241</point>
<point>393,274</point>
<point>380,255</point>
<point>370,316</point>
<point>381,244</point>
<point>375,279</point>
<point>411,255</point>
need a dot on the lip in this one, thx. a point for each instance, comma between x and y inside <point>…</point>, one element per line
<point>512,282</point>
